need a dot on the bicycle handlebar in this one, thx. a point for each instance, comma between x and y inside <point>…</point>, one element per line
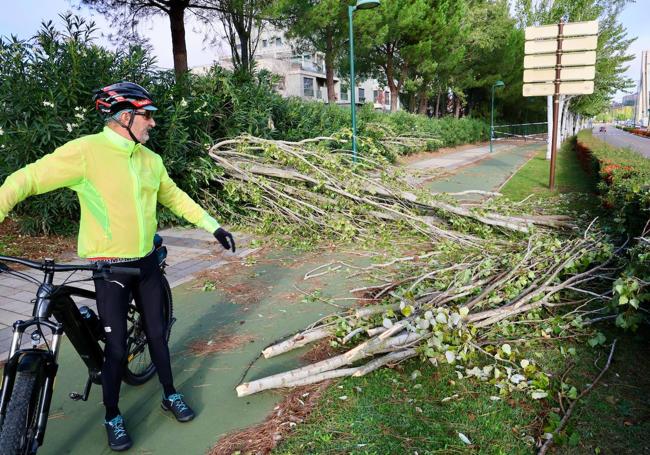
<point>49,265</point>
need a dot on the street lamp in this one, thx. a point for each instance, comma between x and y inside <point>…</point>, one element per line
<point>495,85</point>
<point>361,4</point>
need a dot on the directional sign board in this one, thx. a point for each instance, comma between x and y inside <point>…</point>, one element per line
<point>566,88</point>
<point>559,60</point>
<point>583,43</point>
<point>571,29</point>
<point>572,73</point>
<point>550,60</point>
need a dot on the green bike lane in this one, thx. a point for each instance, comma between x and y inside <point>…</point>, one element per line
<point>257,304</point>
<point>488,174</point>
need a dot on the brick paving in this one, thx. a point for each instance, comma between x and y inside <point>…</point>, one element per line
<point>190,251</point>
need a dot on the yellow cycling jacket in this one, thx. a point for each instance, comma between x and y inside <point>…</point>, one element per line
<point>118,183</point>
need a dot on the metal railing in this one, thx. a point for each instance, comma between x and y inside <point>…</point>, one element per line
<point>522,132</point>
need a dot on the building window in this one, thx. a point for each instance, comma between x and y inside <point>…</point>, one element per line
<point>362,95</point>
<point>308,87</point>
<point>265,43</point>
<point>278,41</point>
<point>375,95</point>
<point>344,92</point>
<point>387,98</point>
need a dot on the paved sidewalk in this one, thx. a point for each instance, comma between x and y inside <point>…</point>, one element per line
<point>190,251</point>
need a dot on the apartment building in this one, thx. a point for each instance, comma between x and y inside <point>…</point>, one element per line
<point>302,74</point>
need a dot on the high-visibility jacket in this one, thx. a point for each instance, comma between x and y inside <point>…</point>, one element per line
<point>118,183</point>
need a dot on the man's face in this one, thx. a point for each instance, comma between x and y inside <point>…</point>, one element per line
<point>142,122</point>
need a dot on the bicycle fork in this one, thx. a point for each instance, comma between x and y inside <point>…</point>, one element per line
<point>38,362</point>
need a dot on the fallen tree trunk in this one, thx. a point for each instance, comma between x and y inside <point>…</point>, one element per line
<point>308,187</point>
<point>360,352</point>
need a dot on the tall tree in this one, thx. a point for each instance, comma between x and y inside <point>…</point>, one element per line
<point>239,18</point>
<point>242,22</point>
<point>432,57</point>
<point>317,26</point>
<point>383,34</point>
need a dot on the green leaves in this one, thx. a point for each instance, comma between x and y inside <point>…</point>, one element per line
<point>597,340</point>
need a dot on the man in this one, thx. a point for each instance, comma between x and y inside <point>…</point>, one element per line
<point>119,181</point>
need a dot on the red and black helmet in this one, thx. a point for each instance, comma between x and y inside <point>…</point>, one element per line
<point>120,96</point>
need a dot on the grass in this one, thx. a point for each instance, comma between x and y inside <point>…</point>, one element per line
<point>417,408</point>
<point>414,408</point>
<point>533,177</point>
<point>615,417</point>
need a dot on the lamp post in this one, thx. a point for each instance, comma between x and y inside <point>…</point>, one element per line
<point>496,84</point>
<point>361,4</point>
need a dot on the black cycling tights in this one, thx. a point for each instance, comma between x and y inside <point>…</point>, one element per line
<point>112,304</point>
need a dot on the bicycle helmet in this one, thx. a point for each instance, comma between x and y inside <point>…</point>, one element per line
<point>124,95</point>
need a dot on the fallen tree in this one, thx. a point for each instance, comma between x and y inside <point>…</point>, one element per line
<point>478,270</point>
<point>310,185</point>
<point>451,310</point>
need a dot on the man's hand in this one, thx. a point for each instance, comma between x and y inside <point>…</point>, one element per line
<point>225,238</point>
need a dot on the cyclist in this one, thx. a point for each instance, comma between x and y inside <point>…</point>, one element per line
<point>118,182</point>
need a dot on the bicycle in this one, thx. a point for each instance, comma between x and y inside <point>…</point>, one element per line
<point>28,378</point>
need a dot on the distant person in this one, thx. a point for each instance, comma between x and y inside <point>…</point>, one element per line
<point>119,181</point>
<point>430,112</point>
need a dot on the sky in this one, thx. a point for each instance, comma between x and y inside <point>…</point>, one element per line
<point>23,18</point>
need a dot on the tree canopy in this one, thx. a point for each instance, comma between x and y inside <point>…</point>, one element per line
<point>434,55</point>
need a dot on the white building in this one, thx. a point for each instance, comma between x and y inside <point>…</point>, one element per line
<point>642,106</point>
<point>303,74</point>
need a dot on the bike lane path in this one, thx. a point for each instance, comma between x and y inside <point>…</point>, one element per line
<point>477,170</point>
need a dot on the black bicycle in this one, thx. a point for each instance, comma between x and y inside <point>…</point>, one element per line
<point>29,374</point>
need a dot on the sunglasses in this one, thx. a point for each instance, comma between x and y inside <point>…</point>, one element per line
<point>146,114</point>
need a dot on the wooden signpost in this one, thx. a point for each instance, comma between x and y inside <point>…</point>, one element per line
<point>560,60</point>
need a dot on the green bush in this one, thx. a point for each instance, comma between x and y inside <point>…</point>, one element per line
<point>625,192</point>
<point>297,119</point>
<point>624,182</point>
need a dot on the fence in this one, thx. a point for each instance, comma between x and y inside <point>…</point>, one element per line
<point>526,132</point>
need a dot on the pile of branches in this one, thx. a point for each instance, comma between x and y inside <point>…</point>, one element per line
<point>461,307</point>
<point>312,185</point>
<point>479,269</point>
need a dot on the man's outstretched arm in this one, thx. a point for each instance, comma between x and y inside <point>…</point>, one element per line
<point>172,197</point>
<point>62,168</point>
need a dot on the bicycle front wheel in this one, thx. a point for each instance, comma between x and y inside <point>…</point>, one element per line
<point>140,368</point>
<point>20,416</point>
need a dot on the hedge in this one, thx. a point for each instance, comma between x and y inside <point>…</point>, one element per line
<point>624,180</point>
<point>625,192</point>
